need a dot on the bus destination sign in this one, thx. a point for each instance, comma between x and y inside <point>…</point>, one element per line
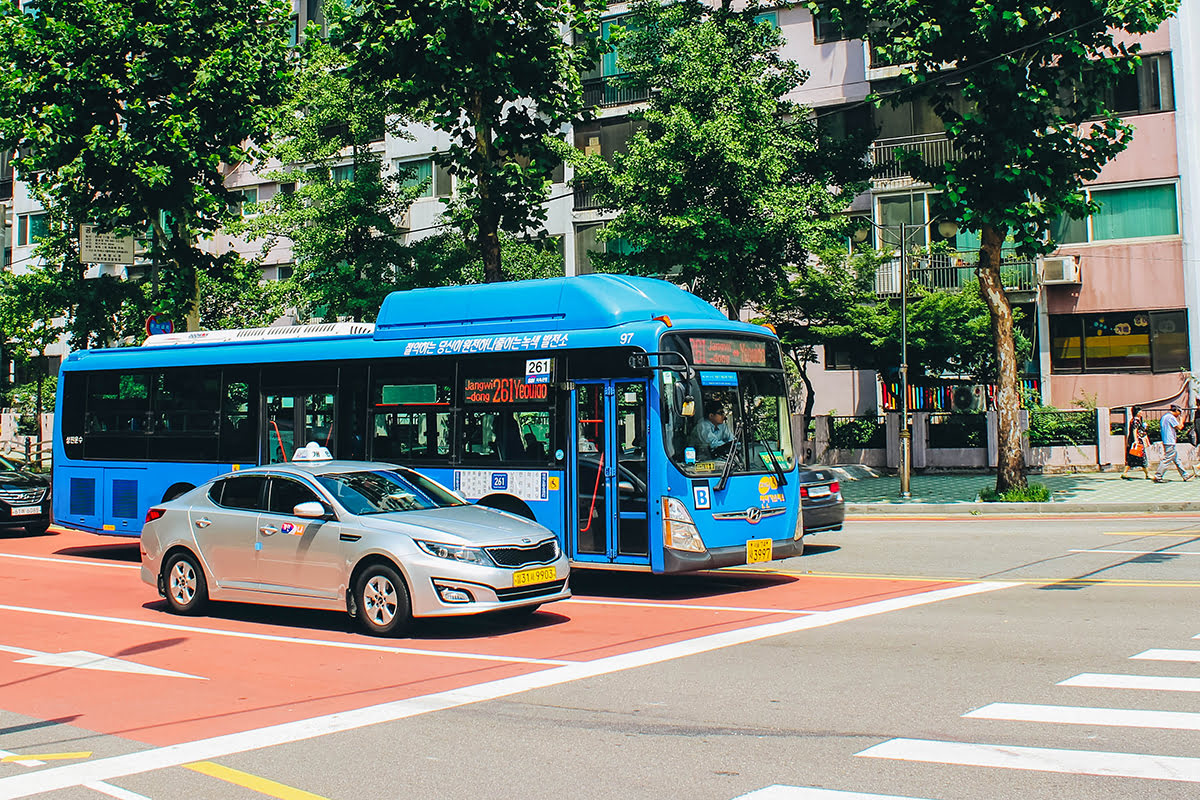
<point>728,352</point>
<point>503,390</point>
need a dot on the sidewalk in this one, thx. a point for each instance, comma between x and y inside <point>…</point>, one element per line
<point>942,493</point>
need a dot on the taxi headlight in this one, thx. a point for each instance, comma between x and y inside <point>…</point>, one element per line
<point>454,552</point>
<point>679,532</point>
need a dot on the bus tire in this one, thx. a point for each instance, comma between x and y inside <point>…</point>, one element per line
<point>184,583</point>
<point>176,490</point>
<point>381,601</point>
<point>506,502</point>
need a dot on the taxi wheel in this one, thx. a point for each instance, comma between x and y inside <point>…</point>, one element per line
<point>381,600</point>
<point>183,578</point>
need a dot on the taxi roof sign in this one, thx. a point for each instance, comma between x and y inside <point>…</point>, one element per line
<point>312,452</point>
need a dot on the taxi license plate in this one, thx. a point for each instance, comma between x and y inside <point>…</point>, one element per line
<point>26,511</point>
<point>818,491</point>
<point>758,551</point>
<point>530,576</point>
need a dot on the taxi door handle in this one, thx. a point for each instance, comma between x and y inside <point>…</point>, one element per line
<point>267,530</point>
<point>203,522</point>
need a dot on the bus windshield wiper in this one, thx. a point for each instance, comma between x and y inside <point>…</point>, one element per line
<point>734,453</point>
<point>775,465</point>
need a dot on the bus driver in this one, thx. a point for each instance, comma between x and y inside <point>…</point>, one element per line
<point>711,437</point>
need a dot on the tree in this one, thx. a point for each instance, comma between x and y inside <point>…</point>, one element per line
<point>1023,91</point>
<point>500,78</point>
<point>726,184</point>
<point>833,303</point>
<point>341,216</point>
<point>125,113</point>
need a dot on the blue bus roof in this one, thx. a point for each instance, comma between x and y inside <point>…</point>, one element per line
<point>580,303</point>
<point>479,318</point>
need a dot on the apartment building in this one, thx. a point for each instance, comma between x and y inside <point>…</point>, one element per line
<point>1112,312</point>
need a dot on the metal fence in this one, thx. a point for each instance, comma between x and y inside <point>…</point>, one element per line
<point>857,433</point>
<point>608,91</point>
<point>951,272</point>
<point>931,148</point>
<point>951,431</point>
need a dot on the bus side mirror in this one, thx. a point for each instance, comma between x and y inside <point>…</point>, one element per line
<point>639,361</point>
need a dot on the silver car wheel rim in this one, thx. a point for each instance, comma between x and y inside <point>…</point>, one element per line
<point>379,600</point>
<point>183,582</point>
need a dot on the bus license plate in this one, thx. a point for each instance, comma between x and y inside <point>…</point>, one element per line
<point>758,551</point>
<point>26,511</point>
<point>530,576</point>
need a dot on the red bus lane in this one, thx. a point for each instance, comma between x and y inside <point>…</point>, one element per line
<point>82,638</point>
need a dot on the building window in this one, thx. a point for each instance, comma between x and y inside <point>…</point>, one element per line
<point>32,228</point>
<point>768,16</point>
<point>1119,341</point>
<point>1148,90</point>
<point>826,30</point>
<point>342,174</point>
<point>433,178</point>
<point>241,198</point>
<point>1127,212</point>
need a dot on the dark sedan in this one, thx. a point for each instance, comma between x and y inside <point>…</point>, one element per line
<point>24,499</point>
<point>821,500</point>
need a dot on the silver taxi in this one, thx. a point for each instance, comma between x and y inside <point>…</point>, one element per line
<point>379,541</point>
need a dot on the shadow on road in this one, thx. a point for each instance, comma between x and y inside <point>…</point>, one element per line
<point>126,551</point>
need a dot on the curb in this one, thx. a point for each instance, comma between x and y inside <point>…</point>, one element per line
<point>1022,509</point>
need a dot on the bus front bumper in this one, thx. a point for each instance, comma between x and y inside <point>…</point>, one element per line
<point>683,561</point>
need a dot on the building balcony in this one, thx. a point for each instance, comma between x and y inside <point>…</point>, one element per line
<point>606,93</point>
<point>950,273</point>
<point>933,148</point>
<point>584,200</point>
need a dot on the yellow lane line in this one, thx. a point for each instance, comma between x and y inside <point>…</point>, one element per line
<point>253,782</point>
<point>48,757</point>
<point>1028,581</point>
<point>1190,534</point>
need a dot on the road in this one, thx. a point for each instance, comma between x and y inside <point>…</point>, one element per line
<point>936,659</point>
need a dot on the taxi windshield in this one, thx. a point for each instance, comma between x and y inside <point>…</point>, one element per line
<point>385,491</point>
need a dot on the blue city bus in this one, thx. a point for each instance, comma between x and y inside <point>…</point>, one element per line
<point>573,401</point>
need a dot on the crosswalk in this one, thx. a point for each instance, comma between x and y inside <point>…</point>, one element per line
<point>1144,766</point>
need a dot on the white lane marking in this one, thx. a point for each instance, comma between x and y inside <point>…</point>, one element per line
<point>288,732</point>
<point>1169,655</point>
<point>1141,552</point>
<point>95,786</point>
<point>1097,680</point>
<point>685,606</point>
<point>82,659</point>
<point>809,793</point>
<point>114,791</point>
<point>21,651</point>
<point>1039,759</point>
<point>1077,715</point>
<point>268,637</point>
<point>75,561</point>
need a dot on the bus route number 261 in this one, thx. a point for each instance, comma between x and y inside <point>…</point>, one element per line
<point>538,370</point>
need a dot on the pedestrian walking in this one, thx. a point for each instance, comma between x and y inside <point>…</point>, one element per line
<point>1170,428</point>
<point>1136,444</point>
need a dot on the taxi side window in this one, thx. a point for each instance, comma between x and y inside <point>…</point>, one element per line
<point>287,494</point>
<point>244,493</point>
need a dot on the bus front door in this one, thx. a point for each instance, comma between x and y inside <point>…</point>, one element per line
<point>294,420</point>
<point>609,471</point>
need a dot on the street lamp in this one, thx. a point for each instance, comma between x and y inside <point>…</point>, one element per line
<point>948,229</point>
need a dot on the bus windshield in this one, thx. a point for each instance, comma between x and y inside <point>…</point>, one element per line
<point>739,409</point>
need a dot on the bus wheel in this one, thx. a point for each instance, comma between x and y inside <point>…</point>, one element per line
<point>381,601</point>
<point>183,578</point>
<point>177,490</point>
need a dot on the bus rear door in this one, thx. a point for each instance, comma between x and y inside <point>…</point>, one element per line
<point>610,523</point>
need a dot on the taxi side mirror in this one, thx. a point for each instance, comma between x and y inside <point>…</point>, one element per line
<point>311,510</point>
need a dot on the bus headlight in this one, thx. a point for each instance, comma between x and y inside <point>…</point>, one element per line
<point>679,532</point>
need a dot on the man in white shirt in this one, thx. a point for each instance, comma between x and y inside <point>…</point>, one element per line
<point>1170,428</point>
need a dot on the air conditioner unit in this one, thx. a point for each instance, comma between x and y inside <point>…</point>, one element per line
<point>968,399</point>
<point>1060,269</point>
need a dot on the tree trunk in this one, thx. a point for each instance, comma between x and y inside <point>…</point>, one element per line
<point>487,217</point>
<point>1010,466</point>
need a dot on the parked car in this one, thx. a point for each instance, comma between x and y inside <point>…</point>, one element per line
<point>821,500</point>
<point>381,542</point>
<point>24,499</point>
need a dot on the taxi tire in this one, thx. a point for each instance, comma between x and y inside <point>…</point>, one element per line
<point>382,582</point>
<point>192,574</point>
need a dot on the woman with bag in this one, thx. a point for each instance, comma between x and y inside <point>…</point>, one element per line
<point>1136,444</point>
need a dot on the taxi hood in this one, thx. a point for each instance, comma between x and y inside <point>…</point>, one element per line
<point>467,525</point>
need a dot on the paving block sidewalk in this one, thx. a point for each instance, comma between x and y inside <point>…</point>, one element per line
<point>958,493</point>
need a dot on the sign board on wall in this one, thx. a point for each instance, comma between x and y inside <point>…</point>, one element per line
<point>104,248</point>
